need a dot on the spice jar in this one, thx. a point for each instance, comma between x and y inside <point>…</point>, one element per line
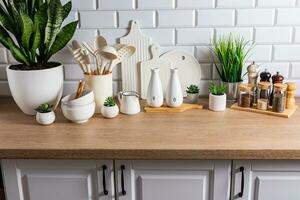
<point>253,70</point>
<point>279,97</point>
<point>263,95</point>
<point>277,78</point>
<point>245,97</point>
<point>265,76</point>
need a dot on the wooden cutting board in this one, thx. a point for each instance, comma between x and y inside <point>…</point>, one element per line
<point>155,62</point>
<point>131,67</point>
<point>189,69</point>
<point>182,108</point>
<point>287,113</point>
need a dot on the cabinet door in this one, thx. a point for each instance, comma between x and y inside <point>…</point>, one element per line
<point>267,180</point>
<point>173,180</point>
<point>57,179</point>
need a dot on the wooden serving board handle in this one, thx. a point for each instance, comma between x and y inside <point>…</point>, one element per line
<point>182,108</point>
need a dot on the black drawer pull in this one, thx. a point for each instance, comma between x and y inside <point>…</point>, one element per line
<point>240,194</point>
<point>104,167</point>
<point>122,180</point>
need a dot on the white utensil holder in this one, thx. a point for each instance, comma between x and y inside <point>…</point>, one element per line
<point>102,85</point>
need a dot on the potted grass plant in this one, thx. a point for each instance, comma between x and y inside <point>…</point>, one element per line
<point>231,53</point>
<point>192,93</point>
<point>217,97</point>
<point>32,31</point>
<point>45,114</point>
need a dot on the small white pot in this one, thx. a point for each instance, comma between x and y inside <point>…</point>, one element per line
<point>192,98</point>
<point>217,102</point>
<point>110,111</point>
<point>45,118</point>
<point>31,88</point>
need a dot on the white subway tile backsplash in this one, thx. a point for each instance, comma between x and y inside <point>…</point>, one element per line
<point>273,35</point>
<point>244,32</point>
<point>288,16</point>
<point>115,4</point>
<point>161,36</point>
<point>176,18</point>
<point>295,70</point>
<point>146,18</point>
<point>189,26</point>
<point>276,3</point>
<point>194,4</point>
<point>97,19</point>
<point>286,52</point>
<point>255,17</point>
<point>218,17</point>
<point>3,57</point>
<point>261,53</point>
<point>155,4</point>
<point>194,36</point>
<point>235,3</point>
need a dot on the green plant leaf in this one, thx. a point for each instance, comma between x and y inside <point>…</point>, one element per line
<point>67,9</point>
<point>62,38</point>
<point>6,20</point>
<point>27,31</point>
<point>55,19</point>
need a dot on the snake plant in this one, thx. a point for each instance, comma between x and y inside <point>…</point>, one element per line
<point>32,29</point>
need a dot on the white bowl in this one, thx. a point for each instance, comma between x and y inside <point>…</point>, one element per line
<point>79,114</point>
<point>86,98</point>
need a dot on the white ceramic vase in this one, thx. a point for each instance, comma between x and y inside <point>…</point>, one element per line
<point>155,96</point>
<point>31,88</point>
<point>110,111</point>
<point>45,118</point>
<point>192,97</point>
<point>217,102</point>
<point>174,96</point>
<point>102,87</point>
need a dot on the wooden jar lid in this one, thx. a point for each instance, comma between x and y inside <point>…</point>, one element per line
<point>264,85</point>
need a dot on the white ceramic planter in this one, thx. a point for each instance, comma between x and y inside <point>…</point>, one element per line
<point>110,111</point>
<point>32,88</point>
<point>102,87</point>
<point>192,98</point>
<point>45,118</point>
<point>217,102</point>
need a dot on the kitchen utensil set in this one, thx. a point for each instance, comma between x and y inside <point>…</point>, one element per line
<point>105,57</point>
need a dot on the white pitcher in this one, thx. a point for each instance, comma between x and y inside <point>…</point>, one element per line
<point>155,97</point>
<point>129,103</point>
<point>174,96</point>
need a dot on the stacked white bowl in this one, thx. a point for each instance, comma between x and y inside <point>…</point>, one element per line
<point>78,110</point>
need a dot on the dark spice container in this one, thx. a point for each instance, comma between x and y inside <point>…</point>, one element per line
<point>277,78</point>
<point>279,97</point>
<point>265,76</point>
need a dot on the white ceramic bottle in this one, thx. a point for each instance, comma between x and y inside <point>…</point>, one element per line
<point>155,97</point>
<point>174,97</point>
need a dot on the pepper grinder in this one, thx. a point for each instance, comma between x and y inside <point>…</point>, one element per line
<point>277,78</point>
<point>253,70</point>
<point>291,90</point>
<point>265,76</point>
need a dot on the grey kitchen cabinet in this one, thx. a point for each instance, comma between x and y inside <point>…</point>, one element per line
<point>266,180</point>
<point>58,179</point>
<point>173,180</point>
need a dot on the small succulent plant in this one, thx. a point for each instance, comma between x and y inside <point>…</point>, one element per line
<point>217,89</point>
<point>193,89</point>
<point>109,102</point>
<point>44,108</point>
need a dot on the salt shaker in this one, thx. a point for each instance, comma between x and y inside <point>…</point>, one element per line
<point>253,71</point>
<point>290,100</point>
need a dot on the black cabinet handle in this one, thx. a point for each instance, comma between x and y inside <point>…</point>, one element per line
<point>104,167</point>
<point>122,180</point>
<point>240,194</point>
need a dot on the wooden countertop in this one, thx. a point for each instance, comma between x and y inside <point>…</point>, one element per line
<point>196,134</point>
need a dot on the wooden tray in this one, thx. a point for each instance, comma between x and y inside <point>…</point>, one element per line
<point>287,113</point>
<point>182,108</point>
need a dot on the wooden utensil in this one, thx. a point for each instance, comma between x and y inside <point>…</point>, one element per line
<point>99,42</point>
<point>123,53</point>
<point>155,62</point>
<point>131,67</point>
<point>182,108</point>
<point>80,89</point>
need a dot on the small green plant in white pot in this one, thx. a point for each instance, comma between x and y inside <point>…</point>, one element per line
<point>33,32</point>
<point>192,93</point>
<point>109,109</point>
<point>45,114</point>
<point>217,97</point>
